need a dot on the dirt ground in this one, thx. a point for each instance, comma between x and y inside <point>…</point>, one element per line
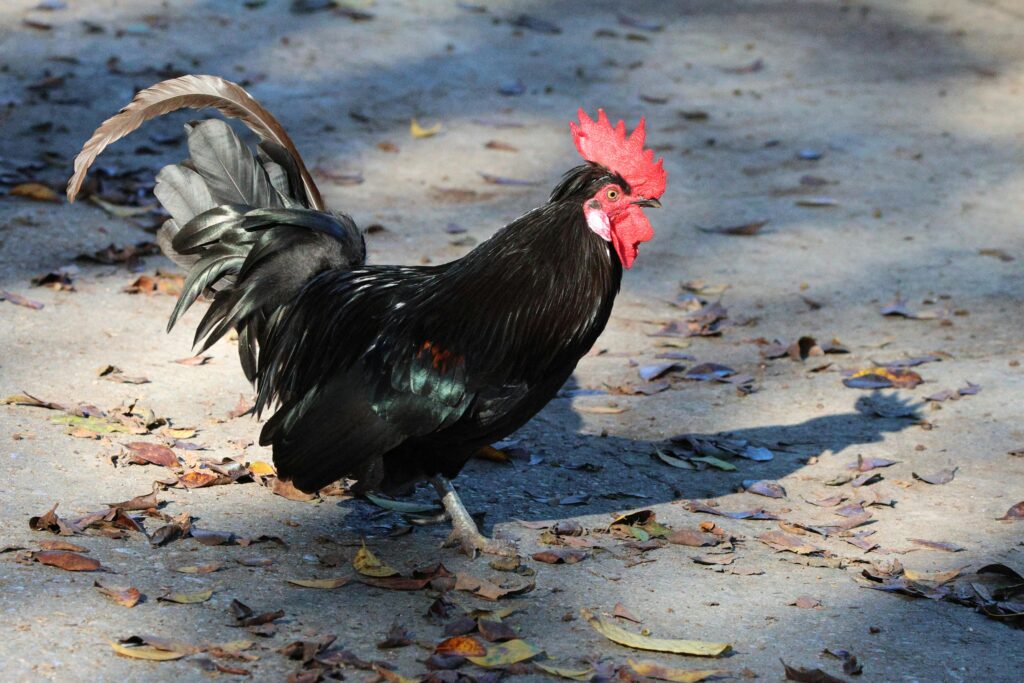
<point>881,141</point>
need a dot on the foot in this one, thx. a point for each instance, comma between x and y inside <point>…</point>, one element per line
<point>465,533</point>
<point>473,542</point>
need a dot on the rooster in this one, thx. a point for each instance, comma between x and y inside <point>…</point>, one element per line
<point>388,375</point>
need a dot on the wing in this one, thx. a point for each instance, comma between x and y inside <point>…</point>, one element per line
<point>355,375</point>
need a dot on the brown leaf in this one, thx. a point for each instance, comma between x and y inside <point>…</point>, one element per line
<point>49,521</point>
<point>781,541</point>
<point>744,229</point>
<point>460,646</point>
<point>398,636</point>
<point>883,378</point>
<point>35,191</point>
<point>560,556</point>
<point>1015,513</point>
<point>945,546</point>
<point>62,545</point>
<point>502,146</point>
<point>806,602</point>
<point>692,538</point>
<point>143,452</point>
<point>621,612</point>
<point>126,596</point>
<point>286,489</point>
<point>941,477</point>
<point>243,407</point>
<point>143,502</point>
<point>19,300</point>
<point>495,631</point>
<point>158,283</point>
<point>809,675</point>
<point>194,360</point>
<point>69,561</point>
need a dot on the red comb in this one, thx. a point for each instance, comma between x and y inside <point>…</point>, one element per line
<point>598,142</point>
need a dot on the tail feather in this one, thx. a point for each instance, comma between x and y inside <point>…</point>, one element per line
<point>196,92</point>
<point>249,228</point>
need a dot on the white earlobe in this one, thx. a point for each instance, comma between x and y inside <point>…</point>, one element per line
<point>598,222</point>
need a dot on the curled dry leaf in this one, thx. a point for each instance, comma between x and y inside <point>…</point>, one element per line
<point>460,646</point>
<point>418,131</point>
<point>147,652</point>
<point>883,378</point>
<point>619,635</point>
<point>126,596</point>
<point>801,675</point>
<point>367,564</point>
<point>35,191</point>
<point>286,489</point>
<point>1015,513</point>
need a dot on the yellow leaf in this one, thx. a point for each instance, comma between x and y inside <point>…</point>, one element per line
<point>178,432</point>
<point>621,636</point>
<point>419,131</point>
<point>320,583</point>
<point>146,652</point>
<point>38,192</point>
<point>600,410</point>
<point>261,468</point>
<point>503,654</point>
<point>201,568</point>
<point>367,564</point>
<point>187,598</point>
<point>491,453</point>
<point>563,672</point>
<point>936,578</point>
<point>666,673</point>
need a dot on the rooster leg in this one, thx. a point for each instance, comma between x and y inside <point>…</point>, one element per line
<point>465,533</point>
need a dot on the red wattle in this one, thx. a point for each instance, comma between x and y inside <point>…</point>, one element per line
<point>629,229</point>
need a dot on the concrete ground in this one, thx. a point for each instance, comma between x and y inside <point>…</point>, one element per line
<point>881,140</point>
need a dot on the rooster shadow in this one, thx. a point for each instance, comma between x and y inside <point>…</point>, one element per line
<point>565,472</point>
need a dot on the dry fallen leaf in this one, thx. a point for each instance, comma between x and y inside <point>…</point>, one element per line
<point>665,673</point>
<point>35,191</point>
<point>505,654</point>
<point>1015,513</point>
<point>460,646</point>
<point>326,584</point>
<point>621,636</point>
<point>801,675</point>
<point>143,452</point>
<point>565,672</point>
<point>418,131</point>
<point>126,596</point>
<point>201,568</point>
<point>147,652</point>
<point>367,564</point>
<point>69,561</point>
<point>187,598</point>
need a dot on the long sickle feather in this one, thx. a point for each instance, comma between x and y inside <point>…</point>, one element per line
<point>196,92</point>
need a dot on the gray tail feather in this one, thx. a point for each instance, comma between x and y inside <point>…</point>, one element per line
<point>241,227</point>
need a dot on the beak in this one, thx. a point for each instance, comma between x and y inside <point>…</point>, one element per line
<point>648,203</point>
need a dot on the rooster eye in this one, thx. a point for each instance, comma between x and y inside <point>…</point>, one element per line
<point>613,194</point>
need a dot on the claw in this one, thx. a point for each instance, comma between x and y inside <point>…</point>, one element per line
<point>465,534</point>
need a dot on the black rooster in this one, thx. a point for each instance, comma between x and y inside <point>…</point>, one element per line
<point>387,374</point>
